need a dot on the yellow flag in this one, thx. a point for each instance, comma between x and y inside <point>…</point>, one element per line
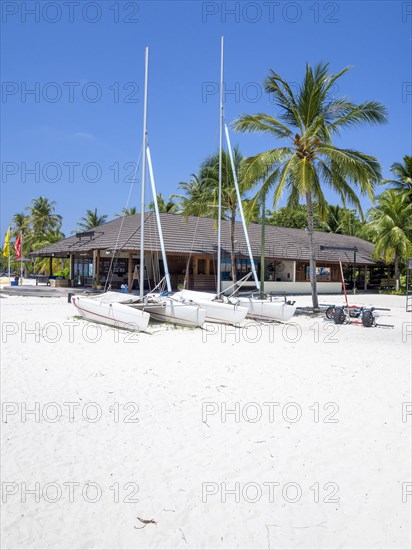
<point>6,246</point>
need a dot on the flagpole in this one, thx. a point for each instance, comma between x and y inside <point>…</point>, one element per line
<point>9,231</point>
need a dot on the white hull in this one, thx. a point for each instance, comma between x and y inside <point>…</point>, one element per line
<point>268,310</point>
<point>217,312</point>
<point>164,308</point>
<point>111,309</point>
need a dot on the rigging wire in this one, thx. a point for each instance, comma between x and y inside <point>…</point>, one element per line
<point>116,251</point>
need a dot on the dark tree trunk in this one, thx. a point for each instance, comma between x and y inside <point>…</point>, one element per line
<point>397,273</point>
<point>232,245</point>
<point>312,262</point>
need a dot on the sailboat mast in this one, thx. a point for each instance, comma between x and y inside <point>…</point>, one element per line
<point>242,215</point>
<point>159,225</point>
<point>262,247</point>
<point>142,212</point>
<point>219,210</point>
<point>21,256</point>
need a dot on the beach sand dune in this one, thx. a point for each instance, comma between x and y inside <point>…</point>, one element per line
<point>266,436</point>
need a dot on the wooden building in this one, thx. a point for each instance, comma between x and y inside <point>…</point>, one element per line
<point>111,251</point>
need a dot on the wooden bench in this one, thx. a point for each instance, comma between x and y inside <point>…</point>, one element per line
<point>42,279</point>
<point>59,283</point>
<point>388,283</point>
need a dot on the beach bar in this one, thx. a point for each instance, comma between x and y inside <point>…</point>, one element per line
<point>110,254</point>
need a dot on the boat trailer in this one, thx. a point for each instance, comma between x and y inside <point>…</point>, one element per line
<point>355,315</point>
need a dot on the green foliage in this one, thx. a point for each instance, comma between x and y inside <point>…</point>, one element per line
<point>342,220</point>
<point>308,162</point>
<point>201,191</point>
<point>91,219</point>
<point>402,288</point>
<point>338,219</point>
<point>42,216</point>
<point>64,272</point>
<point>308,121</point>
<point>196,200</point>
<point>390,226</point>
<point>201,196</point>
<point>164,205</point>
<point>403,174</point>
<point>296,217</point>
<point>39,228</point>
<point>21,224</point>
<point>127,212</point>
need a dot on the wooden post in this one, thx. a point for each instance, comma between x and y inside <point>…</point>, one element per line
<point>186,281</point>
<point>365,281</point>
<point>50,266</point>
<point>195,265</point>
<point>130,273</point>
<point>97,268</point>
<point>207,266</point>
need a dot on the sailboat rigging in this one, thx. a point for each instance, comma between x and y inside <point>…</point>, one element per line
<point>218,309</point>
<point>260,307</point>
<point>132,312</point>
<point>161,306</point>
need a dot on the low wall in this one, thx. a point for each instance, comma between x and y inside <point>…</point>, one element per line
<point>292,288</point>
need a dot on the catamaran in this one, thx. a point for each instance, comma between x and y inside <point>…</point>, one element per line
<point>217,310</point>
<point>262,308</point>
<point>161,306</point>
<point>134,312</point>
<point>259,307</point>
<point>113,309</point>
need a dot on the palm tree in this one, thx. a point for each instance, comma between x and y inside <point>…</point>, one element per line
<point>308,121</point>
<point>296,217</point>
<point>127,212</point>
<point>21,223</point>
<point>201,194</point>
<point>333,216</point>
<point>42,216</point>
<point>403,173</point>
<point>50,236</point>
<point>390,228</point>
<point>197,199</point>
<point>164,205</point>
<point>210,176</point>
<point>91,220</point>
<point>21,226</point>
<point>342,220</point>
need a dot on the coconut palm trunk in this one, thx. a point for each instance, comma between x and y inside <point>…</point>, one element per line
<point>312,252</point>
<point>397,273</point>
<point>390,228</point>
<point>305,159</point>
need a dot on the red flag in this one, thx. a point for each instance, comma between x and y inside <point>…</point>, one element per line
<point>17,247</point>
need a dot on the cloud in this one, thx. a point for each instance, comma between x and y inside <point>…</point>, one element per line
<point>84,135</point>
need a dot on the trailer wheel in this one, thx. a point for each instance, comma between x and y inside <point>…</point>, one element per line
<point>368,319</point>
<point>329,313</point>
<point>339,316</point>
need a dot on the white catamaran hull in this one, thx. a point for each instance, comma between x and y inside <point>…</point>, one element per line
<point>111,309</point>
<point>164,308</point>
<point>217,312</point>
<point>268,310</point>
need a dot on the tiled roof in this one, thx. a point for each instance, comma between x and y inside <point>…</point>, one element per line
<point>199,236</point>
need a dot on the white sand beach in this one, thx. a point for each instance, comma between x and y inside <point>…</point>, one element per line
<point>315,455</point>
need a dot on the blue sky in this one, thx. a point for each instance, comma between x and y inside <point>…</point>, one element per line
<point>85,62</point>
